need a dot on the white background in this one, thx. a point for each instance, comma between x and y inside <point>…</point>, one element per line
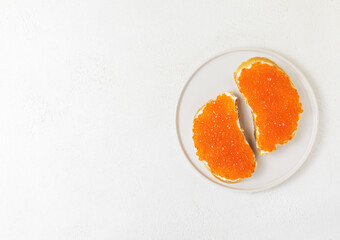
<point>88,93</point>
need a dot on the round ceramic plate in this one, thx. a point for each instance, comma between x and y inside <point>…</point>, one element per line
<point>217,76</point>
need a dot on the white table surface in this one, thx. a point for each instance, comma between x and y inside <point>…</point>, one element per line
<point>88,92</point>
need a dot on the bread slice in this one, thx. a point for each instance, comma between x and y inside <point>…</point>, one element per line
<point>220,142</point>
<point>273,100</point>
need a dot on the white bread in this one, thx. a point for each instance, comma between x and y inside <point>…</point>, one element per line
<point>231,95</point>
<point>247,65</point>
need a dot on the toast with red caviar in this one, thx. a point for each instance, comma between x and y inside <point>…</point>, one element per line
<point>273,99</point>
<point>220,142</point>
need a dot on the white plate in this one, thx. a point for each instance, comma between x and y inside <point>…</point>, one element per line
<point>216,76</point>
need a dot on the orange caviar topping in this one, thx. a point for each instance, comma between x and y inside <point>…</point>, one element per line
<point>274,102</point>
<point>220,142</point>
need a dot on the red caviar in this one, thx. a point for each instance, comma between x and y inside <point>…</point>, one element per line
<point>274,101</point>
<point>220,142</point>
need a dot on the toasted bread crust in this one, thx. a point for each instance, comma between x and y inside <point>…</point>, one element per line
<point>205,163</point>
<point>248,64</point>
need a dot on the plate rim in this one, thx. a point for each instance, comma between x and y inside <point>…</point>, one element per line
<point>309,147</point>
